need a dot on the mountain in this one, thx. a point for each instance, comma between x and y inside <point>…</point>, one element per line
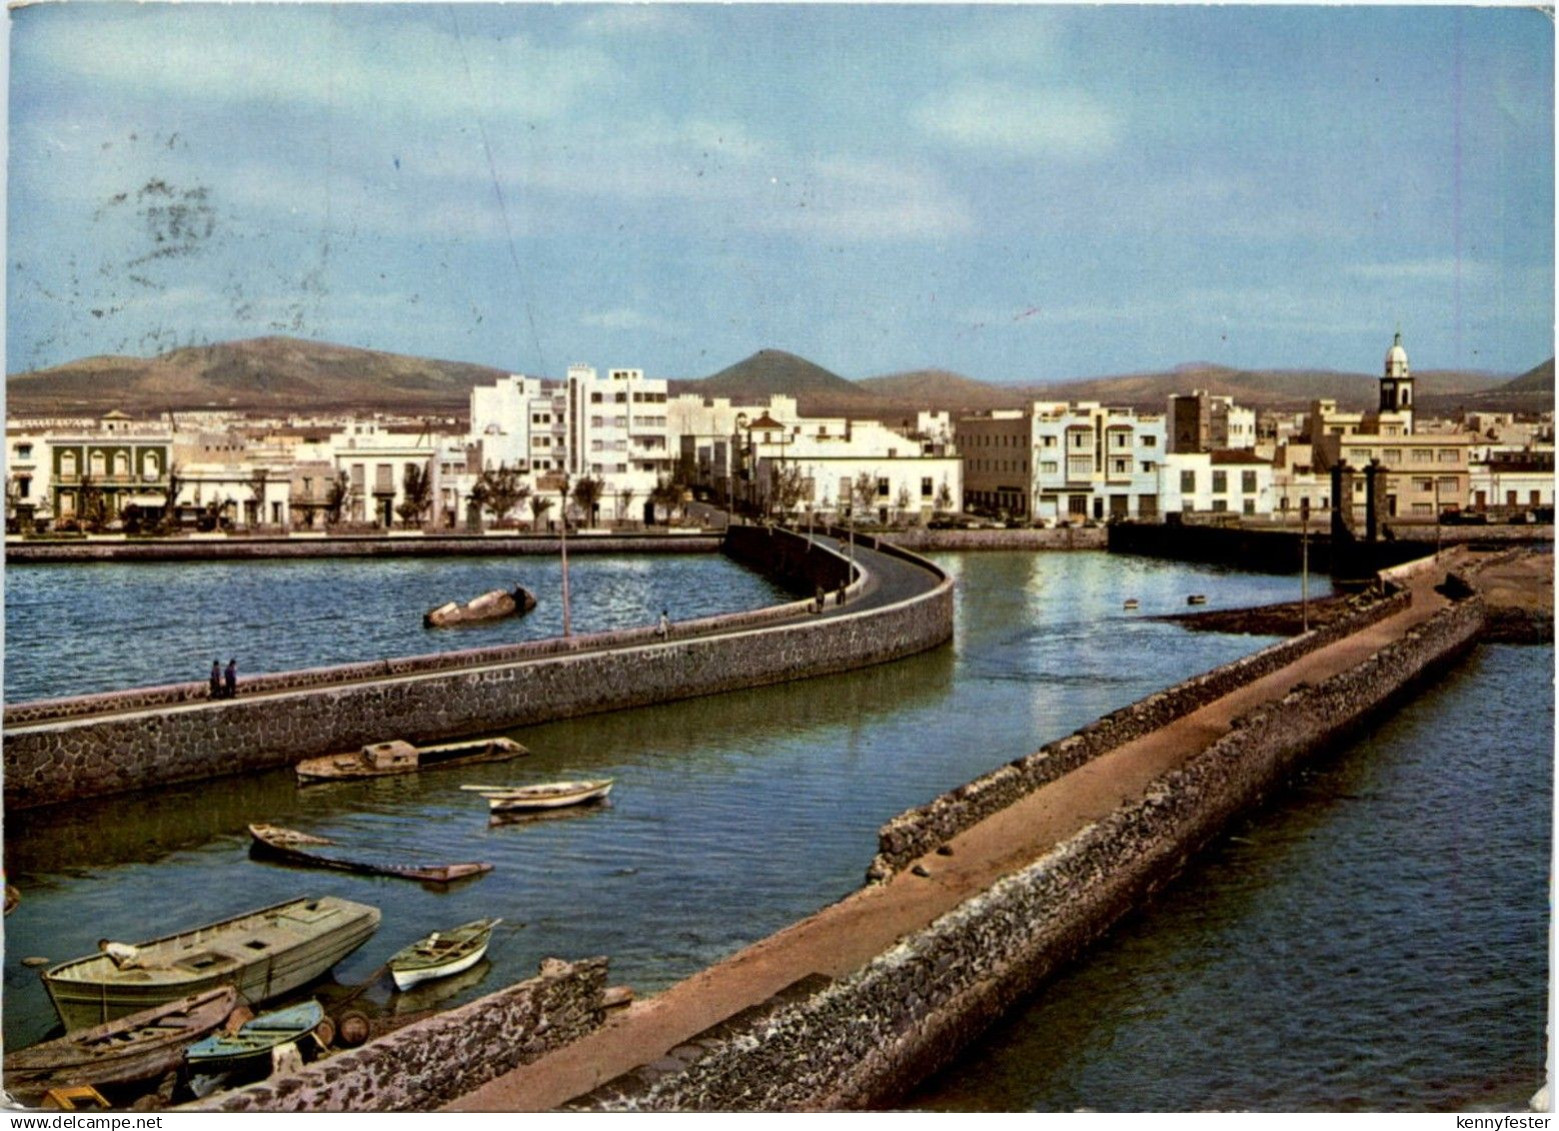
<point>1532,392</point>
<point>818,391</point>
<point>258,373</point>
<point>944,389</point>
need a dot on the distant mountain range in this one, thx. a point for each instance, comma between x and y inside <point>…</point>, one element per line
<point>276,374</point>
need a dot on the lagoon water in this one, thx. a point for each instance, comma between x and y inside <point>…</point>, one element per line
<point>735,815</point>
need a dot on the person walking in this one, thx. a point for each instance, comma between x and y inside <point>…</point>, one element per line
<point>216,679</point>
<point>230,678</point>
<point>664,627</point>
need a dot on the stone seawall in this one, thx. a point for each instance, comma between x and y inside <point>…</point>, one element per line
<point>20,551</point>
<point>429,1062</point>
<point>58,751</point>
<point>1059,538</point>
<point>863,1041</point>
<point>918,831</point>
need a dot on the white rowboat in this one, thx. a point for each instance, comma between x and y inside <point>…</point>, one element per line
<point>442,953</point>
<point>548,795</point>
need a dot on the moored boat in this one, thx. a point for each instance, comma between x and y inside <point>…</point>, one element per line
<point>490,606</point>
<point>397,757</point>
<point>296,847</point>
<point>263,954</point>
<point>254,1040</point>
<point>140,1046</point>
<point>547,795</point>
<point>442,953</point>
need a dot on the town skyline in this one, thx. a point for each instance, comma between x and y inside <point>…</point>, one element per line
<point>983,190</point>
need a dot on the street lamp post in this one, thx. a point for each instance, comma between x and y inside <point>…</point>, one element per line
<point>563,545</point>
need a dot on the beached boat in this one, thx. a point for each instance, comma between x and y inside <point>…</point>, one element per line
<point>295,847</point>
<point>141,1046</point>
<point>397,757</point>
<point>254,1040</point>
<point>548,795</point>
<point>263,954</point>
<point>494,605</point>
<point>442,953</point>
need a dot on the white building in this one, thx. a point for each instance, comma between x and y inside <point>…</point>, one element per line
<point>1057,461</point>
<point>1229,481</point>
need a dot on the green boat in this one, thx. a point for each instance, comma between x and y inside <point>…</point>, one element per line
<point>262,954</point>
<point>252,1044</point>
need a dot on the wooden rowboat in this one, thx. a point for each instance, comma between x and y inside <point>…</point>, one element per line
<point>397,757</point>
<point>296,848</point>
<point>141,1046</point>
<point>442,953</point>
<point>548,795</point>
<point>263,954</point>
<point>252,1044</point>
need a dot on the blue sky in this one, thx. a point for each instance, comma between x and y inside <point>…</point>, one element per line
<point>1013,192</point>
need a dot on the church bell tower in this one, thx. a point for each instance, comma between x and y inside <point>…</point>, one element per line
<point>1396,384</point>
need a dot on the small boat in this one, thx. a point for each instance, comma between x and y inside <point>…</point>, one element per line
<point>397,757</point>
<point>442,953</point>
<point>494,605</point>
<point>1131,602</point>
<point>141,1046</point>
<point>263,954</point>
<point>295,848</point>
<point>1196,599</point>
<point>254,1040</point>
<point>548,795</point>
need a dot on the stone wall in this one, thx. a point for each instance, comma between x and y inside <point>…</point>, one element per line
<point>58,751</point>
<point>918,831</point>
<point>430,1062</point>
<point>864,1041</point>
<point>1059,538</point>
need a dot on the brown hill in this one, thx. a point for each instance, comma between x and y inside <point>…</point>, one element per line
<point>944,389</point>
<point>818,391</point>
<point>259,373</point>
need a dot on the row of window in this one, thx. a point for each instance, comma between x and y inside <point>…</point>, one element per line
<point>1220,482</point>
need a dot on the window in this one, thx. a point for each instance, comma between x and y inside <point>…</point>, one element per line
<point>1188,482</point>
<point>925,487</point>
<point>1048,467</point>
<point>1423,484</point>
<point>1393,456</point>
<point>1050,441</point>
<point>1448,485</point>
<point>882,488</point>
<point>1149,441</point>
<point>1220,506</point>
<point>1423,455</point>
<point>595,398</point>
<point>1220,482</point>
<point>1448,455</point>
<point>1122,466</point>
<point>24,487</point>
<point>1248,482</point>
<point>24,451</point>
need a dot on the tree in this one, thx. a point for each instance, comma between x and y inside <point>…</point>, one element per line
<point>624,501</point>
<point>863,493</point>
<point>587,493</point>
<point>257,480</point>
<point>92,508</point>
<point>170,497</point>
<point>417,494</point>
<point>666,493</point>
<point>338,497</point>
<point>500,489</point>
<point>539,506</point>
<point>903,501</point>
<point>944,497</point>
<point>787,487</point>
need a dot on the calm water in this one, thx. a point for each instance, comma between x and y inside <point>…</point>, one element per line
<point>150,623</point>
<point>735,815</point>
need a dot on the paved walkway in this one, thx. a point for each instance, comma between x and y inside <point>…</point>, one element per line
<point>844,936</point>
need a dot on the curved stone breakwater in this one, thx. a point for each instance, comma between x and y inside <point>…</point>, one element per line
<point>62,750</point>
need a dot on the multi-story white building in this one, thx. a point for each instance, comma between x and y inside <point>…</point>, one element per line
<point>1229,481</point>
<point>1058,461</point>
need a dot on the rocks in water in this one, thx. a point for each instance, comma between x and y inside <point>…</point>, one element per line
<point>489,606</point>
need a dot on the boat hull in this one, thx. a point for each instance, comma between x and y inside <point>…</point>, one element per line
<point>252,1044</point>
<point>262,955</point>
<point>140,1046</point>
<point>426,961</point>
<point>521,801</point>
<point>276,843</point>
<point>347,767</point>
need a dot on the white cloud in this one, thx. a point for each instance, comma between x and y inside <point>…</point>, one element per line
<point>1018,121</point>
<point>624,318</point>
<point>1446,270</point>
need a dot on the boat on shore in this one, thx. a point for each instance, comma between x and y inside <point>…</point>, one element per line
<point>398,757</point>
<point>254,1041</point>
<point>442,953</point>
<point>294,847</point>
<point>546,795</point>
<point>140,1046</point>
<point>263,954</point>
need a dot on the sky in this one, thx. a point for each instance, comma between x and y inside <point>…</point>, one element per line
<point>1013,192</point>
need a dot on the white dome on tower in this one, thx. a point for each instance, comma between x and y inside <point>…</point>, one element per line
<point>1396,358</point>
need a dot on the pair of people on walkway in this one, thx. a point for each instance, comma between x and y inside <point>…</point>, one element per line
<point>224,684</point>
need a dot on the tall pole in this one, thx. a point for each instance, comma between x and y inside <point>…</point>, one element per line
<point>568,628</point>
<point>1437,516</point>
<point>1304,565</point>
